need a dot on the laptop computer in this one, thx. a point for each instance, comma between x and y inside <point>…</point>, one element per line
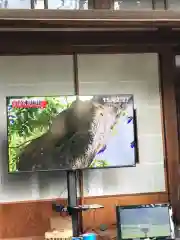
<point>153,221</point>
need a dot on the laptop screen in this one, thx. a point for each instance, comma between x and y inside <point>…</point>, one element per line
<point>145,221</point>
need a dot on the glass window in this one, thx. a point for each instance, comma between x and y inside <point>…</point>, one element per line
<point>15,4</point>
<point>39,4</point>
<point>68,4</point>
<point>132,4</point>
<point>174,4</point>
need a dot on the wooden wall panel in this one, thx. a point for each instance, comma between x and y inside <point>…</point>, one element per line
<point>107,215</point>
<point>1,221</point>
<point>24,219</point>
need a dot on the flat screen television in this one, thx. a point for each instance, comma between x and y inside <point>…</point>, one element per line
<point>152,221</point>
<point>70,132</point>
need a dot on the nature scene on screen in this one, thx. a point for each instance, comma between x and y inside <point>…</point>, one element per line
<point>70,132</point>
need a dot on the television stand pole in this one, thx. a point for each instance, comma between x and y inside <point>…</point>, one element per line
<point>72,200</point>
<point>73,208</point>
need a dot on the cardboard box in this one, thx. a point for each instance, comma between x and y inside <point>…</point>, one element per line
<point>57,235</point>
<point>61,228</point>
<point>61,223</point>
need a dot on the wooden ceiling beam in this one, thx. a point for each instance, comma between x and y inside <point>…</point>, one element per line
<point>87,18</point>
<point>84,42</point>
<point>91,38</point>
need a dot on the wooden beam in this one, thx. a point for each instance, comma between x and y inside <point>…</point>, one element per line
<point>87,18</point>
<point>167,74</point>
<point>14,43</point>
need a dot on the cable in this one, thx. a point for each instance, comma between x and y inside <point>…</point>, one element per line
<point>64,189</point>
<point>61,193</point>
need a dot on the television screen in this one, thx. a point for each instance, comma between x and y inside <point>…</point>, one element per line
<point>145,222</point>
<point>70,132</point>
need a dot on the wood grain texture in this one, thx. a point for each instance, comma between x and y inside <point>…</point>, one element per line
<point>25,219</point>
<point>25,238</point>
<point>90,18</point>
<point>68,42</point>
<point>171,144</point>
<point>176,171</point>
<point>107,215</point>
<point>1,221</point>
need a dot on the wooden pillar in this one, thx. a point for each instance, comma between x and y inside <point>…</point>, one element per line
<point>167,76</point>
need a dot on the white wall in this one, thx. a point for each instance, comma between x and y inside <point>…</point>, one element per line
<point>136,74</point>
<point>52,75</point>
<point>31,75</point>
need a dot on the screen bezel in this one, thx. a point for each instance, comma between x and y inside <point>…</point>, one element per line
<point>69,169</point>
<point>118,208</point>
